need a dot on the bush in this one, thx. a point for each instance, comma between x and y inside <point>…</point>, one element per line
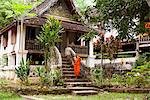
<point>23,71</point>
<point>138,77</point>
<point>50,78</point>
<point>4,60</point>
<point>145,57</point>
<point>140,61</point>
<point>97,76</point>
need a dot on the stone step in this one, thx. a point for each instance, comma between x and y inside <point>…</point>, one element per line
<point>67,69</point>
<point>64,59</point>
<point>65,65</point>
<point>82,88</point>
<point>68,72</point>
<point>65,62</point>
<point>76,80</point>
<point>85,92</point>
<point>77,83</point>
<point>72,76</point>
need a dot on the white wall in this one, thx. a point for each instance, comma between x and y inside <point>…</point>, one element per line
<point>118,60</point>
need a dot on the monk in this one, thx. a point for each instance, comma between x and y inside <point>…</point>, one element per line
<point>77,63</point>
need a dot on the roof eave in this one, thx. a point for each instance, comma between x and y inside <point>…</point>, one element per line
<point>9,26</point>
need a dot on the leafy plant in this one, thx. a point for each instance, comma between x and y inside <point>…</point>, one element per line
<point>49,36</point>
<point>97,76</point>
<point>50,78</point>
<point>140,61</point>
<point>4,60</point>
<point>46,78</point>
<point>23,71</point>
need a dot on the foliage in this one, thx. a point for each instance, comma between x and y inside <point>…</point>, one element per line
<point>49,36</point>
<point>142,59</point>
<point>138,77</point>
<point>127,16</point>
<point>109,47</point>
<point>6,95</point>
<point>97,76</point>
<point>44,77</point>
<point>4,60</point>
<point>15,9</point>
<point>11,9</point>
<point>83,5</point>
<point>50,78</point>
<point>90,35</point>
<point>57,78</point>
<point>23,71</point>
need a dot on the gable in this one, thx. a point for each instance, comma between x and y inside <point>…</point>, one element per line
<point>59,9</point>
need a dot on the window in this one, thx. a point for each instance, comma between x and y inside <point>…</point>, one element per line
<point>31,32</point>
<point>36,59</point>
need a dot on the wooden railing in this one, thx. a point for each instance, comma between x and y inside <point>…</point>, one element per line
<point>79,49</point>
<point>145,39</point>
<point>33,45</point>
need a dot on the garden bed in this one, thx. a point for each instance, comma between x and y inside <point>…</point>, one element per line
<point>128,90</point>
<point>35,90</point>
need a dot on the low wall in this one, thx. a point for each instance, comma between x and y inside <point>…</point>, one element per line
<point>118,60</point>
<point>7,72</point>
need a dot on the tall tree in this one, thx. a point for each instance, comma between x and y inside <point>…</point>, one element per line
<point>14,9</point>
<point>126,16</point>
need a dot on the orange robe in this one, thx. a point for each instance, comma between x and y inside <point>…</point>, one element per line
<point>77,66</point>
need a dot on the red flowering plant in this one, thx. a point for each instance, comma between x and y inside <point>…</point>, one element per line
<point>109,47</point>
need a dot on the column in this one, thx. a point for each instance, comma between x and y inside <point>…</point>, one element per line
<point>137,49</point>
<point>19,56</point>
<point>91,57</point>
<point>82,42</point>
<point>1,50</point>
<point>2,47</point>
<point>9,49</point>
<point>17,46</point>
<point>20,45</point>
<point>11,60</point>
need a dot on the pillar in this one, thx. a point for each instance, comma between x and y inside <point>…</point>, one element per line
<point>11,60</point>
<point>91,58</point>
<point>82,42</point>
<point>2,47</point>
<point>137,49</point>
<point>19,56</point>
<point>20,45</point>
<point>1,50</point>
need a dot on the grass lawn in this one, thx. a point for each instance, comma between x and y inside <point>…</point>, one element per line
<point>9,96</point>
<point>100,96</point>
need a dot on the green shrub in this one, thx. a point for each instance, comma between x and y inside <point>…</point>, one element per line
<point>117,80</point>
<point>97,76</point>
<point>140,61</point>
<point>50,78</point>
<point>138,77</point>
<point>4,60</point>
<point>145,57</point>
<point>23,71</point>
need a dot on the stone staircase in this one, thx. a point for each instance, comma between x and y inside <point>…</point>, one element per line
<point>79,86</point>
